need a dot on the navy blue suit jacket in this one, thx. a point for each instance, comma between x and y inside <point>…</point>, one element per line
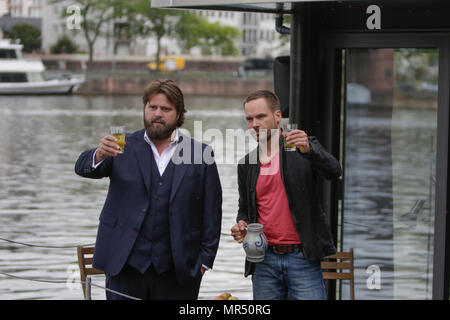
<point>195,209</point>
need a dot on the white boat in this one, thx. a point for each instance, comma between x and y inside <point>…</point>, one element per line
<point>23,76</point>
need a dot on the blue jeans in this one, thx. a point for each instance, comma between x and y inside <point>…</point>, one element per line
<point>282,274</point>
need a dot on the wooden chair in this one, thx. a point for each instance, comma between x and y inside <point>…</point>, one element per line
<point>330,269</point>
<point>85,265</point>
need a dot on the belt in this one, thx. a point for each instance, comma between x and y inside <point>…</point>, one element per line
<point>285,248</point>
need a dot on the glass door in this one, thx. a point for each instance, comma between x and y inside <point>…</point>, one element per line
<point>390,104</point>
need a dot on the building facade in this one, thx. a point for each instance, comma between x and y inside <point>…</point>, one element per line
<point>23,8</point>
<point>259,37</point>
<point>55,25</point>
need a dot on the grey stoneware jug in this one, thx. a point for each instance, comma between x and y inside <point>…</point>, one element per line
<point>255,243</point>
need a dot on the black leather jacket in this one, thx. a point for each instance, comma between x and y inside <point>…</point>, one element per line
<point>299,174</point>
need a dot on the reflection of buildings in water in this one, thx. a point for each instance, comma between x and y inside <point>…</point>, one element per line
<point>373,197</point>
<point>408,76</point>
<point>358,94</point>
<point>368,202</point>
<point>375,70</point>
<point>389,169</point>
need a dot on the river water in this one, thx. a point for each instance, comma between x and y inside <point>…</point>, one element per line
<point>43,202</point>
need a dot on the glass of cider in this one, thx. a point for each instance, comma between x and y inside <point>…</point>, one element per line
<point>287,127</point>
<point>119,134</point>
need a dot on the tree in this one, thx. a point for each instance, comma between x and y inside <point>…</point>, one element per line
<point>29,35</point>
<point>94,14</point>
<point>64,45</point>
<point>147,22</point>
<point>190,29</point>
<point>212,38</point>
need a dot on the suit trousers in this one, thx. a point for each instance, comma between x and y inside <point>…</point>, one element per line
<point>151,286</point>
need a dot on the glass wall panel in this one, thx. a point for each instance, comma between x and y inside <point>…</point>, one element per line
<point>389,162</point>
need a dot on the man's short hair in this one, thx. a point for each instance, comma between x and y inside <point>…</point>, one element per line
<point>172,92</point>
<point>271,99</point>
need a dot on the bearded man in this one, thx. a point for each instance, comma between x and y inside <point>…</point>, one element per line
<point>160,225</point>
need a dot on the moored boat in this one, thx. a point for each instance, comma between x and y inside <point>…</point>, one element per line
<point>24,76</point>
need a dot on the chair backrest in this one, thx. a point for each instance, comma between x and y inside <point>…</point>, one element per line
<point>85,265</point>
<point>333,270</point>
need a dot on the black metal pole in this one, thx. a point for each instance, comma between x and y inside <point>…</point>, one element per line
<point>304,68</point>
<point>296,66</point>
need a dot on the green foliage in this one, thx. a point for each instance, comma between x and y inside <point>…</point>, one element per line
<point>29,35</point>
<point>416,64</point>
<point>64,45</point>
<point>138,19</point>
<point>146,21</point>
<point>190,29</point>
<point>94,15</point>
<point>212,38</point>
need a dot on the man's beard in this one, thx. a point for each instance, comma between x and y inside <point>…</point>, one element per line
<point>267,140</point>
<point>265,135</point>
<point>160,131</point>
<point>262,135</point>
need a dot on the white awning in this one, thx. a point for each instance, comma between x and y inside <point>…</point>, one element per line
<point>230,5</point>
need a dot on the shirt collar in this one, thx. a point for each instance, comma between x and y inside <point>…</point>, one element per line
<point>175,137</point>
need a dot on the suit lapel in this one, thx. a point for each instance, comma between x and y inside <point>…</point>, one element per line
<point>183,145</point>
<point>143,154</point>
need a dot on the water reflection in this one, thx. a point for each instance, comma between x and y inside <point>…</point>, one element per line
<point>389,170</point>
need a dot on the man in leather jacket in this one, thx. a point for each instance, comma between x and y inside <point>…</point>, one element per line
<point>277,188</point>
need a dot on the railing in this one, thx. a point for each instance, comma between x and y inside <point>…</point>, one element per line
<point>88,281</point>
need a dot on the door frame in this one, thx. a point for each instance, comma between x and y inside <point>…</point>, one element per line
<point>332,45</point>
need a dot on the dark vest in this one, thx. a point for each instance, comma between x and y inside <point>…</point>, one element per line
<point>152,246</point>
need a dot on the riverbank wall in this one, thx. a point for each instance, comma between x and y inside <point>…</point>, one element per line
<point>79,62</point>
<point>210,76</point>
<point>135,84</point>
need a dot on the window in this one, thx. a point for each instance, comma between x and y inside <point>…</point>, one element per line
<point>13,77</point>
<point>8,54</point>
<point>35,77</point>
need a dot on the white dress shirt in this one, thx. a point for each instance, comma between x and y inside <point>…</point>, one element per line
<point>163,160</point>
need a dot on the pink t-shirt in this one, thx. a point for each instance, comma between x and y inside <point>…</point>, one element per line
<point>273,206</point>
